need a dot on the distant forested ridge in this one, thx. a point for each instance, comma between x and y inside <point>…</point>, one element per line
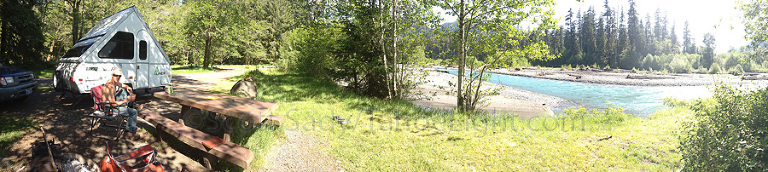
<point>623,38</point>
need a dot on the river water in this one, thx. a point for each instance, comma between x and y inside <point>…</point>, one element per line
<point>637,100</point>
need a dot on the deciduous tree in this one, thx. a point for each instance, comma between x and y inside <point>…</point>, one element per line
<point>493,28</point>
<point>208,22</point>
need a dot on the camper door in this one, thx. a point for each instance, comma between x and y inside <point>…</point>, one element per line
<point>142,63</point>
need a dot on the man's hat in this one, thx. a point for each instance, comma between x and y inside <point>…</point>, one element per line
<point>117,71</point>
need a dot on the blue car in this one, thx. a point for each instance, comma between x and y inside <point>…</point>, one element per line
<point>16,84</point>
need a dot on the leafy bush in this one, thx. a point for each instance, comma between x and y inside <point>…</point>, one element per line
<point>751,66</point>
<point>729,132</point>
<point>715,69</point>
<point>732,61</point>
<point>680,65</point>
<point>650,62</point>
<point>673,102</point>
<point>565,67</point>
<point>736,70</point>
<point>765,64</point>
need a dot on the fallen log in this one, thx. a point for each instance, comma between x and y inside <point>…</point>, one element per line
<point>573,75</point>
<point>605,138</point>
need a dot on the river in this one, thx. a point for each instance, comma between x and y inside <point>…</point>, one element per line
<point>637,100</point>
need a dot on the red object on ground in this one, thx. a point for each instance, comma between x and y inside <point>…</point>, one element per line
<point>213,142</point>
<point>115,164</point>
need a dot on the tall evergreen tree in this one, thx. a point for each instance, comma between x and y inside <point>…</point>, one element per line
<point>664,26</point>
<point>623,40</point>
<point>611,30</point>
<point>688,45</point>
<point>600,43</point>
<point>650,38</point>
<point>631,58</point>
<point>573,52</point>
<point>708,56</point>
<point>673,41</point>
<point>587,37</point>
<point>658,27</point>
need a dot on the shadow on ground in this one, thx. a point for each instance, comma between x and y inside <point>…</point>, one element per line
<point>68,125</point>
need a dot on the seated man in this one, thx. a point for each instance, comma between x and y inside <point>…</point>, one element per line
<point>118,93</point>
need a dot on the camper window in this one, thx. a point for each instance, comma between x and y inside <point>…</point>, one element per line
<point>119,47</point>
<point>143,50</point>
<point>76,51</point>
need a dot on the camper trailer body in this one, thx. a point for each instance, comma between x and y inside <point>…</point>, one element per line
<point>122,40</point>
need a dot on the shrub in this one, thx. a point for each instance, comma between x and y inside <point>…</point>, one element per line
<point>765,64</point>
<point>650,62</point>
<point>729,132</point>
<point>736,70</point>
<point>680,65</point>
<point>715,69</point>
<point>565,67</point>
<point>732,61</point>
<point>751,66</point>
<point>673,102</point>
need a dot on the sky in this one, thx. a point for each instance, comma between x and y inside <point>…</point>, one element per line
<point>719,17</point>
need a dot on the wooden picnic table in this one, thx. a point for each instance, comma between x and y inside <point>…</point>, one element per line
<point>232,107</point>
<point>241,108</point>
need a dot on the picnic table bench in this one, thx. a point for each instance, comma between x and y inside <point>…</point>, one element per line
<point>231,107</point>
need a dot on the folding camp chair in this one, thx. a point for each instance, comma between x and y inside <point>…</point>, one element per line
<point>106,114</point>
<point>144,161</point>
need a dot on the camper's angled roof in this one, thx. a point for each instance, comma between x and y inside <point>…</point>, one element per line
<point>105,24</point>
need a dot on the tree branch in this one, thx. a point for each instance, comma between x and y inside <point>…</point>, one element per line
<point>451,7</point>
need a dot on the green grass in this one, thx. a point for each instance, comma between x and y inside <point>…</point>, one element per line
<point>395,135</point>
<point>184,69</point>
<point>44,89</point>
<point>43,73</point>
<point>190,69</point>
<point>12,128</point>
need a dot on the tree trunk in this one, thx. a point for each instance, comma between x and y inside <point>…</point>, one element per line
<point>207,55</point>
<point>3,36</point>
<point>75,21</point>
<point>462,56</point>
<point>394,50</point>
<point>387,78</point>
<point>53,44</point>
<point>190,58</point>
<point>477,97</point>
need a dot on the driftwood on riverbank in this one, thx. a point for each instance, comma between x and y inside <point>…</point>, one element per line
<point>649,77</point>
<point>577,76</point>
<point>754,77</point>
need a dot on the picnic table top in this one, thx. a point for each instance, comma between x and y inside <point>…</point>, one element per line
<point>243,108</point>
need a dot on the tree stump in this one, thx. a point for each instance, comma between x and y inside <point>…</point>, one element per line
<point>245,87</point>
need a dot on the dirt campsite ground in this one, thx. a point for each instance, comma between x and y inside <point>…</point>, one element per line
<point>68,126</point>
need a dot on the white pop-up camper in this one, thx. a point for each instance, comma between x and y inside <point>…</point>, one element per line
<point>120,40</point>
